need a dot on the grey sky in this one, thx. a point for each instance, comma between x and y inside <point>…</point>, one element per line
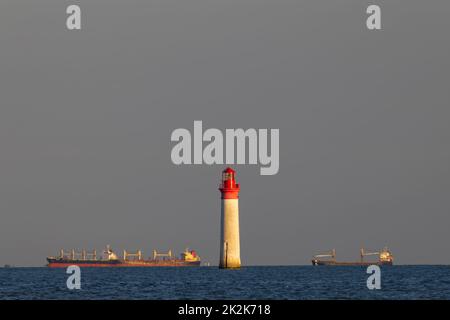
<point>86,118</point>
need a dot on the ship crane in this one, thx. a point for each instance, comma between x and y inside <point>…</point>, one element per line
<point>90,255</point>
<point>330,254</point>
<point>72,254</point>
<point>137,255</point>
<point>365,254</point>
<point>156,254</point>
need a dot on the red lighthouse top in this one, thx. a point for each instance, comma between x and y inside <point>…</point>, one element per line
<point>229,188</point>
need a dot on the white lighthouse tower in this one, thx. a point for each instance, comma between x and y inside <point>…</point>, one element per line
<point>230,254</point>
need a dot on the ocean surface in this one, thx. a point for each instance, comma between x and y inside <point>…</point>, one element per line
<point>290,282</point>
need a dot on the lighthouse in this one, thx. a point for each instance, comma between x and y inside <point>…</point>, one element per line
<point>230,255</point>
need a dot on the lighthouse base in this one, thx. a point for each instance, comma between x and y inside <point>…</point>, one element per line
<point>230,264</point>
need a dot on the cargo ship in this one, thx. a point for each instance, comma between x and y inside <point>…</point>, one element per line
<point>385,257</point>
<point>188,258</point>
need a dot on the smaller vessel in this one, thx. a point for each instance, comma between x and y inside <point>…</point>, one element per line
<point>385,257</point>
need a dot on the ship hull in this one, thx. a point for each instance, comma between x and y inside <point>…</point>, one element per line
<point>350,264</point>
<point>64,263</point>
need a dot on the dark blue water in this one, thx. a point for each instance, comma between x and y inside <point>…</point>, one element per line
<point>303,282</point>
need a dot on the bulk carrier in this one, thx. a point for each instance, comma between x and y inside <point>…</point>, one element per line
<point>385,257</point>
<point>188,258</point>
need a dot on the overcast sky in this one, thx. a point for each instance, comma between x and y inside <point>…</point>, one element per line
<point>86,118</point>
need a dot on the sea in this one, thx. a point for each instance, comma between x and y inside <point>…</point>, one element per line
<point>259,282</point>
